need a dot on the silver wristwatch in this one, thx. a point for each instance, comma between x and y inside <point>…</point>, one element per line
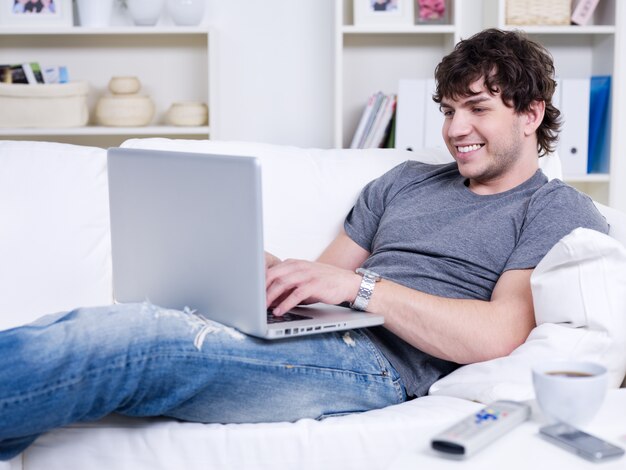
<point>370,278</point>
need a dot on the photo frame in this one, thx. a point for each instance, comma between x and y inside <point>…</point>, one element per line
<point>35,13</point>
<point>383,12</point>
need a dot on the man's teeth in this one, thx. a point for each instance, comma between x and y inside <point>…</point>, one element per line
<point>469,148</point>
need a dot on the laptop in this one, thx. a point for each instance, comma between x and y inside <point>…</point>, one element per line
<point>187,232</point>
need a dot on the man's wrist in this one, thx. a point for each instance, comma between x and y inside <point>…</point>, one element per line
<point>366,289</point>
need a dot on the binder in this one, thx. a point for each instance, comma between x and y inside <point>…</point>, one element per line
<point>410,114</point>
<point>573,145</point>
<point>433,119</point>
<point>598,125</point>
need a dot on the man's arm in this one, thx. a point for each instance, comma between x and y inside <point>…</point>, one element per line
<point>458,330</point>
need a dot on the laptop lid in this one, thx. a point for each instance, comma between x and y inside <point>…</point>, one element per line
<point>187,231</point>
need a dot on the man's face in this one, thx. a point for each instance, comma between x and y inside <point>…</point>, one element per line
<point>484,136</point>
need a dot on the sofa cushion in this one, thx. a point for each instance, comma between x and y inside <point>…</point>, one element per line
<point>579,294</point>
<point>54,239</point>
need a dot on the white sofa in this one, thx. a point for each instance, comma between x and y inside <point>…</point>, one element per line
<point>55,255</point>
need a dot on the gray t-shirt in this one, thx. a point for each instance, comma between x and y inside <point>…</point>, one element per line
<point>426,230</point>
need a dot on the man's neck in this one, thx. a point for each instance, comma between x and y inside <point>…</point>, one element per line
<point>524,169</point>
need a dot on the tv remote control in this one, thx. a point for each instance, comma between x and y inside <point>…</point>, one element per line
<point>476,431</point>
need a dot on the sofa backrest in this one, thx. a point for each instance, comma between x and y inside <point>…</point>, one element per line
<point>54,238</point>
<point>308,192</point>
<point>54,234</point>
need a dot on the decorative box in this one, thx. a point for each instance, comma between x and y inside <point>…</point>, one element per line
<point>538,12</point>
<point>54,105</point>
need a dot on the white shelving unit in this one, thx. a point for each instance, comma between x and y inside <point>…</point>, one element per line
<point>580,52</point>
<point>373,58</point>
<point>174,63</point>
<point>370,59</point>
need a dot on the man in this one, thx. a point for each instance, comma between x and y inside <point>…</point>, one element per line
<point>448,249</point>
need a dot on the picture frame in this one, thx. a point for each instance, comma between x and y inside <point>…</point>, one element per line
<point>36,13</point>
<point>383,12</point>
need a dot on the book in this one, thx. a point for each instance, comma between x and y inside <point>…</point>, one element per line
<point>377,123</point>
<point>371,119</point>
<point>17,74</point>
<point>37,72</point>
<point>30,74</point>
<point>583,12</point>
<point>390,143</point>
<point>386,113</point>
<point>55,74</point>
<point>360,129</point>
<point>5,74</point>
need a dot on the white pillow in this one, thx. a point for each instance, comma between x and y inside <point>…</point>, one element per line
<point>579,294</point>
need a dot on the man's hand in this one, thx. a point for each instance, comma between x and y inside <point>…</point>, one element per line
<point>271,260</point>
<point>294,282</point>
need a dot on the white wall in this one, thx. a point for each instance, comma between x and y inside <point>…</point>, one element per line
<point>275,71</point>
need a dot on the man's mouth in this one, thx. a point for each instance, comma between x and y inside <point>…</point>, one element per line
<point>468,148</point>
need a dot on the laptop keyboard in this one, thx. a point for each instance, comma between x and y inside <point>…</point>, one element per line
<point>287,317</point>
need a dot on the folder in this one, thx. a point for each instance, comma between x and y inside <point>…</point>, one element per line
<point>573,144</point>
<point>410,114</point>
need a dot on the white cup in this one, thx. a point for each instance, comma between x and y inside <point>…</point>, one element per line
<point>569,391</point>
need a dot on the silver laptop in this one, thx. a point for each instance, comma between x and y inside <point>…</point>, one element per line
<point>187,231</point>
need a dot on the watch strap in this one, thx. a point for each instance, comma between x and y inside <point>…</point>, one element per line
<point>366,289</point>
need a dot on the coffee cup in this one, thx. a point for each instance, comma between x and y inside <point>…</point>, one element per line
<point>570,392</point>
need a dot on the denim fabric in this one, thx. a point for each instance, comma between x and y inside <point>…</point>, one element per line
<point>142,360</point>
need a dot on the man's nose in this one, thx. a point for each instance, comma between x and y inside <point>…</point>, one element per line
<point>459,125</point>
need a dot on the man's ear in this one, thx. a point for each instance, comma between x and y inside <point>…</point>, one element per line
<point>534,117</point>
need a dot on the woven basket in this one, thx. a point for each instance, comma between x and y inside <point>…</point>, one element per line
<point>538,12</point>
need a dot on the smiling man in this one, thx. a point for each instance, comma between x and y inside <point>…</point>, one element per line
<point>449,249</point>
<point>444,252</point>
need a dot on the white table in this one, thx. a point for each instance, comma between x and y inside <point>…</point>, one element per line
<point>523,449</point>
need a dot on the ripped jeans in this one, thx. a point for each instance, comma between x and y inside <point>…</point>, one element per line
<point>141,360</point>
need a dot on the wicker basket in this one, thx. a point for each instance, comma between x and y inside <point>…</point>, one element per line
<point>55,105</point>
<point>538,12</point>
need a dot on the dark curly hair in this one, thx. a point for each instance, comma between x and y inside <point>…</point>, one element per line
<point>521,70</point>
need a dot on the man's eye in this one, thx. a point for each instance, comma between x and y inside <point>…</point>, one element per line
<point>479,110</point>
<point>447,112</point>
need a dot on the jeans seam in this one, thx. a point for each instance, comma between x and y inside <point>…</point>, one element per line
<point>382,363</point>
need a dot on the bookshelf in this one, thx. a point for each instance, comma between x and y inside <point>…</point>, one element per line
<point>174,63</point>
<point>580,52</point>
<point>369,59</point>
<point>373,58</point>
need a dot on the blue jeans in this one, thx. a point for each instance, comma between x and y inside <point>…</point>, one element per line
<point>142,360</point>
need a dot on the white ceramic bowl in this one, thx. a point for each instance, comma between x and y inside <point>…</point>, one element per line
<point>124,110</point>
<point>187,113</point>
<point>124,85</point>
